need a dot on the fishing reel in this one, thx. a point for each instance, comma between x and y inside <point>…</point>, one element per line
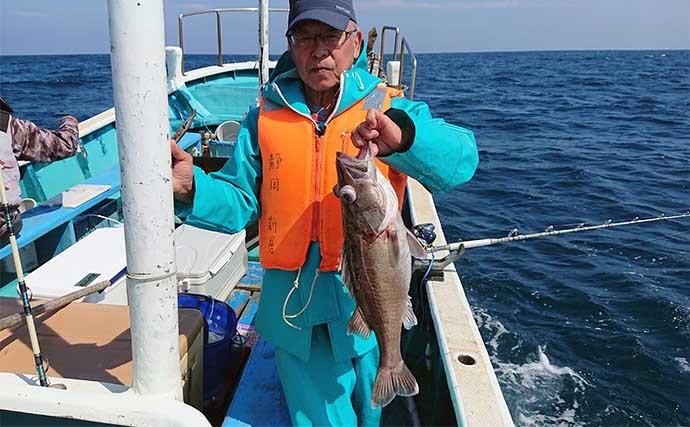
<point>425,233</point>
<point>432,268</point>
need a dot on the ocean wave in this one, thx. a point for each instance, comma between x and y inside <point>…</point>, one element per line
<point>683,364</point>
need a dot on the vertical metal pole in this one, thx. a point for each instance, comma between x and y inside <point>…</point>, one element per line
<point>413,73</point>
<point>181,38</point>
<point>143,134</point>
<point>220,39</point>
<point>402,65</point>
<point>263,40</point>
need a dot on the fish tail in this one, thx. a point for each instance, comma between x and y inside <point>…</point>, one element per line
<point>390,382</point>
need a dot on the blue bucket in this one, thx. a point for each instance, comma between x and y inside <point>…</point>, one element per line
<point>220,327</point>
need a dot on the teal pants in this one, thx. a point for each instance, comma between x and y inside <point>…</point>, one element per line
<point>323,392</point>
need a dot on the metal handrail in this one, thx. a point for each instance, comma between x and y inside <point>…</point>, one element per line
<point>403,44</point>
<point>218,26</point>
<point>395,43</point>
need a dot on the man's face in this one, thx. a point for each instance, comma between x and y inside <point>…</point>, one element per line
<point>321,60</point>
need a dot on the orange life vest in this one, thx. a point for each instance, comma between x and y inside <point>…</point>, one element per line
<point>296,195</point>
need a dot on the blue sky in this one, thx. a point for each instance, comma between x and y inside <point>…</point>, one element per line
<point>81,26</point>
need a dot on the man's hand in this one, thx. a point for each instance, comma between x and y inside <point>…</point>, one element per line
<point>182,174</point>
<point>381,130</point>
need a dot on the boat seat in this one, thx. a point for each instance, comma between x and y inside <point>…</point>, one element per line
<point>93,342</point>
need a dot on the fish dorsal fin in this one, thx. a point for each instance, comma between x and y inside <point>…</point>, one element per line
<point>416,248</point>
<point>409,320</point>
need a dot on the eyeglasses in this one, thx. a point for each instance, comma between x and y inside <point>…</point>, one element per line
<point>331,39</point>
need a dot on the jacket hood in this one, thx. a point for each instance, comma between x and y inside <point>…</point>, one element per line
<point>285,88</point>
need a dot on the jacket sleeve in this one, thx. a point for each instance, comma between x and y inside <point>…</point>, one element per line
<point>228,200</point>
<point>32,143</point>
<point>440,156</point>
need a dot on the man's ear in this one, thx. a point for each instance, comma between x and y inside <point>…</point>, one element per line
<point>358,43</point>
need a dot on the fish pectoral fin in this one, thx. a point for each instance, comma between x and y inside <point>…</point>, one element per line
<point>358,324</point>
<point>416,248</point>
<point>409,319</point>
<point>393,246</point>
<point>345,272</point>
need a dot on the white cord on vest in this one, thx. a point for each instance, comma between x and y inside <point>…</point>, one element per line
<point>295,285</point>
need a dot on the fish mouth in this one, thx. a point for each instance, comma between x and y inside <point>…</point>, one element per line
<point>351,169</point>
<point>357,164</point>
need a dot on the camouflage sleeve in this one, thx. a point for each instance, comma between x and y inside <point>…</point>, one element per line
<point>35,144</point>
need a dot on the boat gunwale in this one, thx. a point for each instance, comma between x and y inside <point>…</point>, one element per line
<point>485,407</point>
<point>107,117</point>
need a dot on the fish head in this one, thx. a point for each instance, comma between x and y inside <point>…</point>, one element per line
<point>365,196</point>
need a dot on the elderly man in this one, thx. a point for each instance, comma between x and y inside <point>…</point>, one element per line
<point>320,100</point>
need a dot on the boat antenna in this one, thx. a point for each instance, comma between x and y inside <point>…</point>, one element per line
<point>23,291</point>
<point>550,231</point>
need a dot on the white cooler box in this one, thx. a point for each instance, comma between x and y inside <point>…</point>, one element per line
<point>98,256</point>
<point>208,263</point>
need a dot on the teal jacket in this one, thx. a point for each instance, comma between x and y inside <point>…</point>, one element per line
<point>440,157</point>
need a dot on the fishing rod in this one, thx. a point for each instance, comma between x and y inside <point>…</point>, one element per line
<point>434,267</point>
<point>54,304</point>
<point>550,231</point>
<point>31,326</point>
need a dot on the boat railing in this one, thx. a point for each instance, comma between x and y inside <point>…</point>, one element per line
<point>413,75</point>
<point>394,68</point>
<point>217,13</point>
<point>395,43</point>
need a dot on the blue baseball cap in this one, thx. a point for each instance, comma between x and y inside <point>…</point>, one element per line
<point>336,13</point>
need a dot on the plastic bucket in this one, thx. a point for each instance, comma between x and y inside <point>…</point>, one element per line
<point>227,131</point>
<point>220,327</point>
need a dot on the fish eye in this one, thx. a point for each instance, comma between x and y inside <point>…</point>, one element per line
<point>347,194</point>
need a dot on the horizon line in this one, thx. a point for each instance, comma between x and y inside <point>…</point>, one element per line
<point>420,53</point>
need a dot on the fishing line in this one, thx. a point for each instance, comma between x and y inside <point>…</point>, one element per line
<point>515,235</point>
<point>31,326</point>
<point>425,315</point>
<point>422,292</point>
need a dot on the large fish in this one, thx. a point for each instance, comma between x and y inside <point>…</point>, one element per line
<point>376,267</point>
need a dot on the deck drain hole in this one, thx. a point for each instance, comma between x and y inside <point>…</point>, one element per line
<point>466,359</point>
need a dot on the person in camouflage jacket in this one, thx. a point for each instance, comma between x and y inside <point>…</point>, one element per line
<point>24,140</point>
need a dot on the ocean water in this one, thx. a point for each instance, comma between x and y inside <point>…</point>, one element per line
<point>588,329</point>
